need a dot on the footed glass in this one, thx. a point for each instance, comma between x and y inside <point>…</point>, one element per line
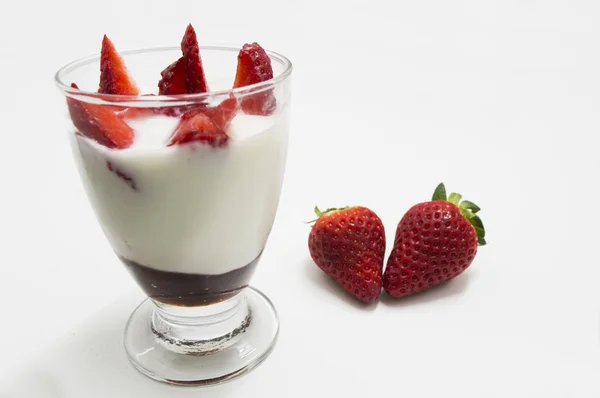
<point>188,220</point>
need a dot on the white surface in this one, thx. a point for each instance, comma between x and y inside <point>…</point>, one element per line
<point>499,99</point>
<point>214,207</point>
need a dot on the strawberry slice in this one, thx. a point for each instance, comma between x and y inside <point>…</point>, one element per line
<point>198,126</point>
<point>195,79</point>
<point>224,113</point>
<point>254,66</point>
<point>186,75</point>
<point>114,78</point>
<point>100,123</point>
<point>173,79</point>
<point>137,112</point>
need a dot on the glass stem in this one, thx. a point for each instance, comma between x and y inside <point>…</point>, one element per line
<point>201,330</point>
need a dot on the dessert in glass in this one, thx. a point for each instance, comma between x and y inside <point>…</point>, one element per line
<point>185,183</point>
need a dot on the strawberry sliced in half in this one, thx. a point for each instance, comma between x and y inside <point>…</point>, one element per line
<point>195,79</point>
<point>254,66</point>
<point>196,125</point>
<point>114,78</point>
<point>186,75</point>
<point>224,113</point>
<point>173,79</point>
<point>100,123</point>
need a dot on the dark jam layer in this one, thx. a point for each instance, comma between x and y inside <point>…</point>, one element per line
<point>190,290</point>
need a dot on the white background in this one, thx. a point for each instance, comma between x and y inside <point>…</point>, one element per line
<point>498,99</point>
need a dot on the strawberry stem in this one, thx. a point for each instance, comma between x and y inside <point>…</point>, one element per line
<point>319,213</point>
<point>467,209</point>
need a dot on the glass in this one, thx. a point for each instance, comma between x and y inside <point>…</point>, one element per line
<point>188,221</point>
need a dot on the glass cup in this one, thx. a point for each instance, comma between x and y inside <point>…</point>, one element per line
<point>188,221</point>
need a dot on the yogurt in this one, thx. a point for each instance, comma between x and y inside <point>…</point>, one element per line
<point>188,208</point>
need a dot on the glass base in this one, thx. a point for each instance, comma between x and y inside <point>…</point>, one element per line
<point>202,345</point>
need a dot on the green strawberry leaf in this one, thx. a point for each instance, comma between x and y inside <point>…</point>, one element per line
<point>478,225</point>
<point>454,198</point>
<point>440,192</point>
<point>467,209</point>
<point>466,205</point>
<point>319,213</point>
<point>476,222</point>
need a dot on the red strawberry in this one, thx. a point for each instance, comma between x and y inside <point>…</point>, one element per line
<point>224,113</point>
<point>173,79</point>
<point>196,81</point>
<point>195,125</point>
<point>100,123</point>
<point>186,75</point>
<point>349,245</point>
<point>435,241</point>
<point>254,66</point>
<point>114,78</point>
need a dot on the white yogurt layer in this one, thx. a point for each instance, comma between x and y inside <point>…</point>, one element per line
<point>188,208</point>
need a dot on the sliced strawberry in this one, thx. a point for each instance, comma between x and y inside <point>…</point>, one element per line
<point>100,123</point>
<point>197,126</point>
<point>186,75</point>
<point>135,112</point>
<point>224,113</point>
<point>114,78</point>
<point>254,66</point>
<point>173,80</point>
<point>195,79</point>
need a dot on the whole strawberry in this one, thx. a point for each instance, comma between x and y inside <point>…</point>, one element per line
<point>435,241</point>
<point>349,245</point>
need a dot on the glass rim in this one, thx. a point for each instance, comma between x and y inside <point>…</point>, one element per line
<point>245,90</point>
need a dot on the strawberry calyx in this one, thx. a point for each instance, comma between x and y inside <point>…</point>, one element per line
<point>320,213</point>
<point>467,209</point>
